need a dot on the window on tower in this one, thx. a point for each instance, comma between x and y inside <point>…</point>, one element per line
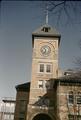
<point>41,67</point>
<point>40,83</point>
<point>45,68</point>
<point>47,84</point>
<point>48,68</point>
<point>46,29</point>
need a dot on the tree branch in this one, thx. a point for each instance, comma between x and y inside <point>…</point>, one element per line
<point>56,5</point>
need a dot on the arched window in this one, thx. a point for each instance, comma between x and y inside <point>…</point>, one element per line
<point>71,97</point>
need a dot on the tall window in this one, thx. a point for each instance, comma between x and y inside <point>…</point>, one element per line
<point>48,68</point>
<point>41,67</point>
<point>71,97</point>
<point>79,98</point>
<point>40,83</point>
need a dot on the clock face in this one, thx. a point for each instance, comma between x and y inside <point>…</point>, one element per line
<point>45,50</point>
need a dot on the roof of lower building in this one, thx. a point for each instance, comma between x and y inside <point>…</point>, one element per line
<point>46,30</point>
<point>73,78</point>
<point>23,87</point>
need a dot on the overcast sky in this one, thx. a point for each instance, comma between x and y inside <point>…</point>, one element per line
<point>18,19</point>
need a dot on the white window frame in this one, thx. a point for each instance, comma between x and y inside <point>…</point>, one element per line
<point>40,84</point>
<point>45,68</point>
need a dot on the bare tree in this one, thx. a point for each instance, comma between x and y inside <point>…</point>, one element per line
<point>77,60</point>
<point>67,10</point>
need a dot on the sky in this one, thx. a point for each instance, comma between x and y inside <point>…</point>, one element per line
<point>18,19</point>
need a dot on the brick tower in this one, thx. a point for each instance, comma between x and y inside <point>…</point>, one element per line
<point>45,43</point>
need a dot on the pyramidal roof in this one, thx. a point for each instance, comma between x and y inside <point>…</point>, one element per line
<point>46,30</point>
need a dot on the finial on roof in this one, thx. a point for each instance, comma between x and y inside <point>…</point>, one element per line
<point>47,14</point>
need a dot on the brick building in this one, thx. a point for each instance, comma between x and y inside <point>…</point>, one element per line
<point>22,99</point>
<point>48,96</point>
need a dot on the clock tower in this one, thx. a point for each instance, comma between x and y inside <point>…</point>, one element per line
<point>45,44</point>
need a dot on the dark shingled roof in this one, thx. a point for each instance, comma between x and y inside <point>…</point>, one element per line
<point>73,79</point>
<point>23,87</point>
<point>46,30</point>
